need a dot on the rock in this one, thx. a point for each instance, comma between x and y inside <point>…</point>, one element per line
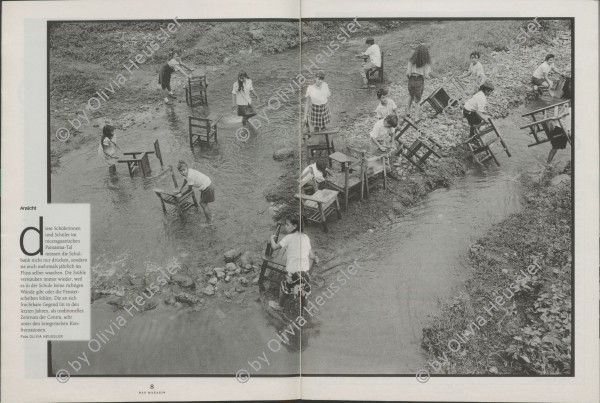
<point>239,289</point>
<point>231,267</point>
<point>245,259</point>
<point>283,153</point>
<point>557,180</point>
<point>255,281</point>
<point>226,60</point>
<point>493,370</point>
<point>213,280</point>
<point>209,290</point>
<point>218,270</point>
<point>227,294</point>
<point>243,281</point>
<point>183,281</point>
<point>256,34</point>
<point>228,279</point>
<point>186,298</point>
<point>231,255</point>
<point>169,301</point>
<point>247,267</point>
<point>221,274</point>
<point>238,271</point>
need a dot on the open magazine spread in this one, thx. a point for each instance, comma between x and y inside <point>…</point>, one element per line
<point>300,200</point>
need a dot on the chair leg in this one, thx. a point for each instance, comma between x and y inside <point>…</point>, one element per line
<point>323,217</point>
<point>339,211</point>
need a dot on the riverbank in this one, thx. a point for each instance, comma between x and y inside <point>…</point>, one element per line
<point>513,316</point>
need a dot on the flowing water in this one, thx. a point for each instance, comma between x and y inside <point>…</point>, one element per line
<point>372,325</point>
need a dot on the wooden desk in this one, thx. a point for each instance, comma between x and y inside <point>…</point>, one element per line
<point>327,145</point>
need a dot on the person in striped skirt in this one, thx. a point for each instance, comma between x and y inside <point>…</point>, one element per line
<point>317,96</point>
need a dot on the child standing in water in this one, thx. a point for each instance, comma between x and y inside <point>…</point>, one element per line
<point>108,148</point>
<point>474,110</point>
<point>164,76</point>
<point>240,97</point>
<point>199,180</point>
<point>299,255</point>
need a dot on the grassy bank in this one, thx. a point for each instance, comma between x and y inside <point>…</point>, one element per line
<point>514,314</point>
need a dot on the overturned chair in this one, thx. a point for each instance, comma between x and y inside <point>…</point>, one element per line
<point>443,98</point>
<point>139,161</point>
<point>544,120</point>
<point>480,143</point>
<point>420,150</point>
<point>318,206</point>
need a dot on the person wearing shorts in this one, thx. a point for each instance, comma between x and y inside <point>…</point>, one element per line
<point>540,75</point>
<point>374,54</point>
<point>418,68</point>
<point>240,97</point>
<point>199,180</point>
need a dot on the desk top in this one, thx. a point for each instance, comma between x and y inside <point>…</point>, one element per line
<point>342,158</point>
<point>333,130</point>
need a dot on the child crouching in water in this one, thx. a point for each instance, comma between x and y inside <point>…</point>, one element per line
<point>197,179</point>
<point>299,256</point>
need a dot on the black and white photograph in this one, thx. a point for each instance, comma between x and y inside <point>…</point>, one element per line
<point>318,197</point>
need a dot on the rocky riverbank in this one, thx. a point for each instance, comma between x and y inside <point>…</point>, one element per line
<point>514,315</point>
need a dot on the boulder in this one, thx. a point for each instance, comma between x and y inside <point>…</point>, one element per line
<point>557,180</point>
<point>213,280</point>
<point>186,298</point>
<point>231,255</point>
<point>245,259</point>
<point>183,281</point>
<point>283,153</point>
<point>209,290</point>
<point>230,267</point>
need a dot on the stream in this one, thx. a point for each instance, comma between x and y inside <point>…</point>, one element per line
<point>372,325</point>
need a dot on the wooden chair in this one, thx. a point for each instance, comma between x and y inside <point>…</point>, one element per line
<point>440,99</point>
<point>420,150</point>
<point>375,74</point>
<point>174,202</point>
<point>202,131</point>
<point>480,144</point>
<point>319,141</point>
<point>372,166</point>
<point>544,120</point>
<point>195,91</point>
<point>318,206</point>
<point>139,160</point>
<point>273,264</point>
<point>349,180</point>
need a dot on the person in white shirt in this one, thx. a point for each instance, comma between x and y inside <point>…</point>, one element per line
<point>417,70</point>
<point>475,73</point>
<point>173,64</point>
<point>474,109</point>
<point>386,106</point>
<point>540,75</point>
<point>299,255</point>
<point>317,96</point>
<point>203,183</point>
<point>381,134</point>
<point>240,97</point>
<point>374,54</point>
<point>108,148</point>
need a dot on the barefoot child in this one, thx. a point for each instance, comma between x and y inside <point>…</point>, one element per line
<point>540,75</point>
<point>197,179</point>
<point>164,76</point>
<point>386,106</point>
<point>240,97</point>
<point>108,147</point>
<point>299,255</point>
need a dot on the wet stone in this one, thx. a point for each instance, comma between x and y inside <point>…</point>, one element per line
<point>186,298</point>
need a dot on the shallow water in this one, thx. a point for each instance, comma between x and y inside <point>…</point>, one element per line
<point>372,325</point>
